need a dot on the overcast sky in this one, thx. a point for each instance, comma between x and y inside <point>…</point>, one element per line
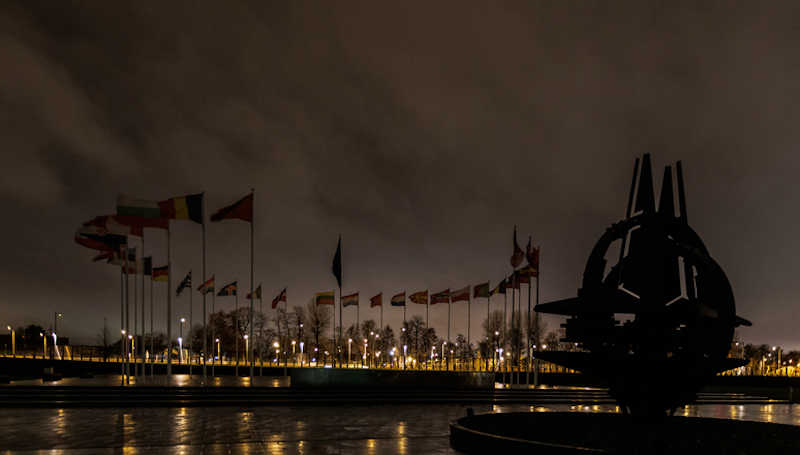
<point>422,132</point>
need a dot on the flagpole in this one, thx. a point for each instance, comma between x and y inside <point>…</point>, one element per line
<point>381,312</point>
<point>448,332</point>
<point>122,324</point>
<point>469,322</point>
<point>528,337</point>
<point>127,318</point>
<point>236,330</point>
<point>191,310</point>
<point>261,337</point>
<point>252,222</point>
<point>336,358</point>
<point>213,336</point>
<point>203,272</point>
<point>152,346</point>
<point>169,304</point>
<point>141,339</point>
<point>135,307</point>
<point>538,275</point>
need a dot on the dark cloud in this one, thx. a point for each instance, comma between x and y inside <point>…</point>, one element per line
<point>421,132</point>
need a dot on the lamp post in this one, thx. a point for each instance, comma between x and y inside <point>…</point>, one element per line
<point>349,343</point>
<point>180,349</point>
<point>44,346</point>
<point>219,351</point>
<point>302,345</point>
<point>277,347</point>
<point>405,356</point>
<point>247,348</point>
<point>364,357</point>
<point>130,338</point>
<point>13,342</point>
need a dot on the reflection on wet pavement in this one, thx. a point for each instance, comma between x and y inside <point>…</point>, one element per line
<point>177,380</point>
<point>407,429</point>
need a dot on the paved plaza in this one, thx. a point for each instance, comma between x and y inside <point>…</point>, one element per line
<point>301,430</point>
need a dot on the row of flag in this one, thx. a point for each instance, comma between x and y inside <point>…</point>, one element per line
<point>521,276</point>
<point>109,234</point>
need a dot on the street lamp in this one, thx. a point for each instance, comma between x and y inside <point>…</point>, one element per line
<point>13,342</point>
<point>180,348</point>
<point>349,342</point>
<point>246,348</point>
<point>219,355</point>
<point>277,346</point>
<point>44,347</point>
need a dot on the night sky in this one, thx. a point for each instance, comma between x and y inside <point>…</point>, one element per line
<point>422,132</point>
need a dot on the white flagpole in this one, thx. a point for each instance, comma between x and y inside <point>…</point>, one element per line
<point>169,305</point>
<point>122,324</point>
<point>189,344</point>
<point>203,272</point>
<point>141,335</point>
<point>252,221</point>
<point>152,342</point>
<point>127,317</point>
<point>236,329</point>
<point>135,307</point>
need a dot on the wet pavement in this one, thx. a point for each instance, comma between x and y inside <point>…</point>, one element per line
<point>397,429</point>
<point>176,380</point>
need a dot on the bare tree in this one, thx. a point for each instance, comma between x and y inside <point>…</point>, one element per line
<point>317,322</point>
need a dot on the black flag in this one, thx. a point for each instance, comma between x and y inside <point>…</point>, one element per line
<point>337,262</point>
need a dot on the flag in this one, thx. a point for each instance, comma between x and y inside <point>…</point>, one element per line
<point>528,270</point>
<point>137,208</point>
<point>105,255</point>
<point>148,265</point>
<point>118,258</point>
<point>280,298</point>
<point>189,207</point>
<point>257,292</point>
<point>98,238</point>
<point>337,262</point>
<point>241,209</point>
<point>460,295</point>
<point>420,297</point>
<point>325,298</point>
<point>398,299</point>
<point>348,300</point>
<point>228,289</point>
<point>500,288</point>
<point>108,224</point>
<point>441,297</point>
<point>518,255</point>
<point>377,300</point>
<point>161,273</point>
<point>185,283</point>
<point>208,286</point>
<point>512,282</point>
<point>481,290</point>
<point>533,256</point>
<point>522,278</point>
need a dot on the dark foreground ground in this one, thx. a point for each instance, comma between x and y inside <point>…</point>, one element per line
<point>393,429</point>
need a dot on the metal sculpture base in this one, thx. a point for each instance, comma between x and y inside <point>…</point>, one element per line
<point>583,433</point>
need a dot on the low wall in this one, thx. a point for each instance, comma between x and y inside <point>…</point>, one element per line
<point>344,378</point>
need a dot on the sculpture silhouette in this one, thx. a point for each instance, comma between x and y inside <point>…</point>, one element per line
<point>679,304</point>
